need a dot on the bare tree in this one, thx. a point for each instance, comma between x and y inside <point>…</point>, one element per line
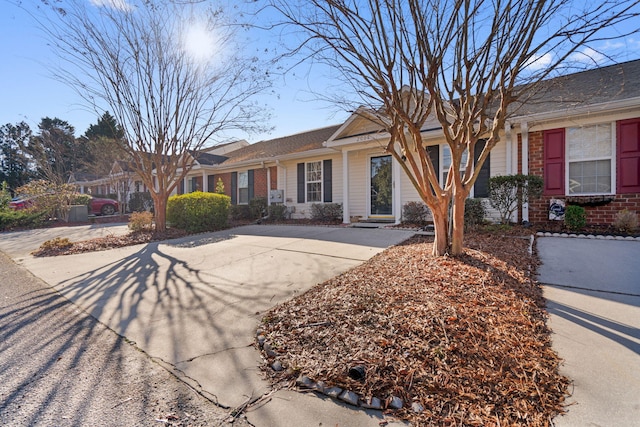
<point>170,86</point>
<point>465,62</point>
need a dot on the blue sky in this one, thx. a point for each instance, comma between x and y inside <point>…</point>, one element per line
<point>28,92</point>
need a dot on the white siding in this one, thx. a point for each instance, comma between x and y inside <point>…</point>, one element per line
<point>290,185</point>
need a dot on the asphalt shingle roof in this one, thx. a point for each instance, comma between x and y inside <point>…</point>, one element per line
<point>600,85</point>
<point>291,144</point>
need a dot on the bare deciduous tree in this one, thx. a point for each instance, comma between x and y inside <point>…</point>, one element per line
<point>467,63</point>
<point>168,71</point>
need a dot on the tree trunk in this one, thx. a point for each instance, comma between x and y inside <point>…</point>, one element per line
<point>457,234</point>
<point>160,207</point>
<point>441,228</point>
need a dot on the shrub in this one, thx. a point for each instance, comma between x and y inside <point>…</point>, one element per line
<point>5,196</point>
<point>278,212</point>
<point>415,213</point>
<point>575,217</point>
<point>141,221</point>
<point>57,243</point>
<point>198,211</point>
<point>507,192</point>
<point>626,221</point>
<point>474,213</point>
<point>220,186</point>
<point>240,212</point>
<point>52,198</point>
<point>140,202</point>
<point>10,219</point>
<point>81,199</point>
<point>326,212</point>
<point>258,207</point>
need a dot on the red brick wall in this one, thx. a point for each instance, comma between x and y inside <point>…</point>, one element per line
<point>596,215</point>
<point>226,180</point>
<point>260,182</point>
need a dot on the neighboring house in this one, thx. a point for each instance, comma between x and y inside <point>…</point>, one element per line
<point>581,134</point>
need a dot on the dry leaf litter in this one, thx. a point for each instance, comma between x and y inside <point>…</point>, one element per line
<point>462,341</point>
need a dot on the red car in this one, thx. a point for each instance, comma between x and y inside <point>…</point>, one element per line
<point>103,206</point>
<point>97,206</point>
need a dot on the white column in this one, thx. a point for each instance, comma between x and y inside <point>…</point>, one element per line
<point>185,184</point>
<point>268,186</point>
<point>205,182</point>
<point>346,218</point>
<point>397,191</point>
<point>509,141</point>
<point>525,163</point>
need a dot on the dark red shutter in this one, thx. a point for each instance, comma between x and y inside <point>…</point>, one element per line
<point>554,162</point>
<point>628,152</point>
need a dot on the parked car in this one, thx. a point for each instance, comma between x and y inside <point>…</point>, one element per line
<point>98,206</point>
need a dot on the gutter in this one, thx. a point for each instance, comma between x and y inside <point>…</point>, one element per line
<point>610,106</point>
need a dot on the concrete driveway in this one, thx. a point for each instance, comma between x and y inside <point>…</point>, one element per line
<point>194,304</point>
<point>592,289</point>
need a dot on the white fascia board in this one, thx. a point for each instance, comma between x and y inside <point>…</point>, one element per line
<point>270,160</point>
<point>604,107</point>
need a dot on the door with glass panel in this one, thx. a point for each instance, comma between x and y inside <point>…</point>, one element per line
<point>381,203</point>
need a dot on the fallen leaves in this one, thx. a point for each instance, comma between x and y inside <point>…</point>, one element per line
<point>465,337</point>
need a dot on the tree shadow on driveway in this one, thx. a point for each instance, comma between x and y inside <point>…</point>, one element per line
<point>179,311</point>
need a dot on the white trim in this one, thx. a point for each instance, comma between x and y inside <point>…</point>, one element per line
<point>368,188</point>
<point>346,217</point>
<point>609,107</point>
<point>612,158</point>
<point>321,181</point>
<point>396,187</point>
<point>268,186</point>
<point>509,148</point>
<point>524,132</point>
<point>238,188</point>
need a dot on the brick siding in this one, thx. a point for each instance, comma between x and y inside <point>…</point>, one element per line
<point>596,215</point>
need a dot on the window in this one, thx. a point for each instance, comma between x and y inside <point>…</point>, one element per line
<point>243,188</point>
<point>589,154</point>
<point>481,186</point>
<point>446,162</point>
<point>313,182</point>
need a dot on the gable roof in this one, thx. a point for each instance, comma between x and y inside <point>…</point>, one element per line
<point>272,148</point>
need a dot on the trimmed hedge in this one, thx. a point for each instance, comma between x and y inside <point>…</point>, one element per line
<point>28,218</point>
<point>198,211</point>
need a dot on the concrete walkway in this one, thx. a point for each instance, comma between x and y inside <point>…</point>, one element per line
<point>194,304</point>
<point>592,289</point>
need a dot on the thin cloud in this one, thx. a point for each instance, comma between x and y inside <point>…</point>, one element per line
<point>539,62</point>
<point>114,4</point>
<point>588,56</point>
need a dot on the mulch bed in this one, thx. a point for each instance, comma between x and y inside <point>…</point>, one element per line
<point>465,337</point>
<point>108,242</point>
